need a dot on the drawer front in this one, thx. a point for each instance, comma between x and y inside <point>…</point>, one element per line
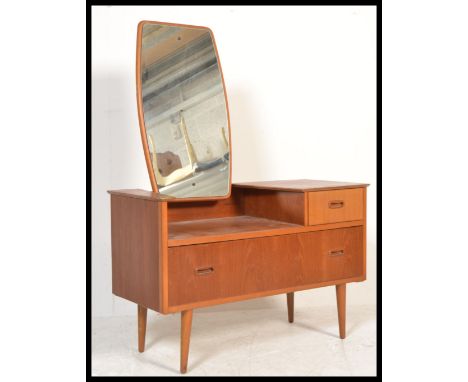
<point>233,268</point>
<point>336,206</point>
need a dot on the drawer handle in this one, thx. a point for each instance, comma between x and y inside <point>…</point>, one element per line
<point>339,252</point>
<point>336,204</point>
<point>204,271</point>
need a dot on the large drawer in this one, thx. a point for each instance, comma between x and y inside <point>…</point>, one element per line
<point>336,206</point>
<point>233,268</point>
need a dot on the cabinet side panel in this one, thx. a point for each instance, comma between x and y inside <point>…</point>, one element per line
<point>136,237</point>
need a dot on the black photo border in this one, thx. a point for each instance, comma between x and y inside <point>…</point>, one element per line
<point>378,5</point>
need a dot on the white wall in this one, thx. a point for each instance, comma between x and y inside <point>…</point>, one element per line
<point>301,85</point>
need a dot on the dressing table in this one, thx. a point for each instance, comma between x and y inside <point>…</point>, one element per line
<point>197,240</point>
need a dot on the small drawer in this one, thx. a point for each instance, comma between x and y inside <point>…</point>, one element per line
<point>335,206</point>
<point>340,254</point>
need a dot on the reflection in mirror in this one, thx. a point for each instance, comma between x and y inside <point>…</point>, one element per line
<point>185,111</point>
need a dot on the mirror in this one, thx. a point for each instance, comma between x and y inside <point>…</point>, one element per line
<point>183,111</point>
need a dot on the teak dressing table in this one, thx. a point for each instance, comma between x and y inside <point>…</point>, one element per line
<point>196,240</point>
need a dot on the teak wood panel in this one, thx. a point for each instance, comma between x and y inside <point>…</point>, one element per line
<point>221,270</point>
<point>205,209</point>
<point>335,206</point>
<point>282,206</point>
<point>298,185</point>
<point>196,231</point>
<point>141,194</point>
<point>239,228</point>
<point>137,232</point>
<point>276,205</point>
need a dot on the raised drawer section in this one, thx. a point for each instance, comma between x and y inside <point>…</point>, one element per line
<point>336,206</point>
<point>234,268</point>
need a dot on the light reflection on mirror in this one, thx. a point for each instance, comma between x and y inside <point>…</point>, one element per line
<point>185,111</point>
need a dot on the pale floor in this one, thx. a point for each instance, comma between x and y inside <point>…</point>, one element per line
<point>240,342</point>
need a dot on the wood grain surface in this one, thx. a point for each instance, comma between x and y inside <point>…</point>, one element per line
<point>284,206</point>
<point>206,209</point>
<point>141,194</point>
<point>197,231</point>
<point>299,185</point>
<point>341,306</point>
<point>335,206</point>
<point>290,302</point>
<point>142,316</point>
<point>254,265</point>
<point>136,231</point>
<point>185,330</point>
<point>238,228</point>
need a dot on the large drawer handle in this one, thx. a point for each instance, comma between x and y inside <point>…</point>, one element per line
<point>336,204</point>
<point>339,252</point>
<point>204,271</point>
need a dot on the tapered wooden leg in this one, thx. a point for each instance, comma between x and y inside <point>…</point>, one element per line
<point>341,303</point>
<point>186,327</point>
<point>290,298</point>
<point>142,313</point>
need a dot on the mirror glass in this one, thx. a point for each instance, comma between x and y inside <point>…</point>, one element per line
<point>185,112</point>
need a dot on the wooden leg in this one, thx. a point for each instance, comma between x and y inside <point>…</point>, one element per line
<point>341,303</point>
<point>290,298</point>
<point>186,327</point>
<point>142,313</point>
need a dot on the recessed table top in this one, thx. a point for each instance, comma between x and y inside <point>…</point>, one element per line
<point>240,227</point>
<point>233,227</point>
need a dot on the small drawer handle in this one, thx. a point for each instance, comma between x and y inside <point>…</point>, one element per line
<point>339,252</point>
<point>204,271</point>
<point>336,204</point>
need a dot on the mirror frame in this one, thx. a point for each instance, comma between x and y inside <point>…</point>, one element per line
<point>141,117</point>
